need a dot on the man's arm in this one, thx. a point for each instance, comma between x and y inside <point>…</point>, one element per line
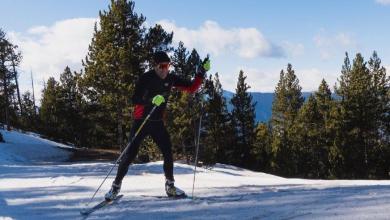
<point>139,91</point>
<point>187,85</point>
<point>193,86</point>
<point>138,97</point>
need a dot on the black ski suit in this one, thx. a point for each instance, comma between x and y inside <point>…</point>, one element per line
<point>148,86</point>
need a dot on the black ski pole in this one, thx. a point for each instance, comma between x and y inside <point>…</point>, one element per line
<point>197,150</point>
<point>123,152</point>
<point>198,137</point>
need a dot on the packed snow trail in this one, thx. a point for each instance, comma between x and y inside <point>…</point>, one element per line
<point>43,186</point>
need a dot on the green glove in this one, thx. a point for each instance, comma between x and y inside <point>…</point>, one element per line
<point>206,64</point>
<point>158,100</point>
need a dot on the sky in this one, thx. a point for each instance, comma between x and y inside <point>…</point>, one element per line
<point>258,37</point>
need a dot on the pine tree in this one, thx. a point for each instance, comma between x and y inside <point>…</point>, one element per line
<point>8,104</point>
<point>216,123</point>
<point>177,121</point>
<point>61,110</point>
<point>381,91</point>
<point>74,124</point>
<point>29,120</point>
<point>262,148</point>
<point>16,58</point>
<point>336,155</point>
<point>243,121</point>
<point>184,109</point>
<point>311,134</point>
<point>156,38</point>
<point>325,103</point>
<point>49,113</point>
<point>287,102</point>
<point>180,61</point>
<point>304,137</point>
<point>359,116</point>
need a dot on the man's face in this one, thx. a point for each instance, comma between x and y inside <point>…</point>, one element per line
<point>162,69</point>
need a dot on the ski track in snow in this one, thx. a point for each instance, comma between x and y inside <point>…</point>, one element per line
<point>35,184</point>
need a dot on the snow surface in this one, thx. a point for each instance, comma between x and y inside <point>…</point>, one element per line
<point>36,183</point>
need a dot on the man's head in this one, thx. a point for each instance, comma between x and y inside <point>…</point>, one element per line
<point>162,62</point>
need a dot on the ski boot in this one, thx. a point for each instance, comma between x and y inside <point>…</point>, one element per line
<point>113,193</point>
<point>173,191</point>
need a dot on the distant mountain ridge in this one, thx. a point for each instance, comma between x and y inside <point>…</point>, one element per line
<point>264,101</point>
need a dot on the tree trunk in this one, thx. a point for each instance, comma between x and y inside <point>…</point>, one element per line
<point>17,85</point>
<point>6,107</point>
<point>33,94</point>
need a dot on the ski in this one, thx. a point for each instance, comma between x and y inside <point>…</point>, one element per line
<point>100,205</point>
<point>211,199</point>
<point>167,197</point>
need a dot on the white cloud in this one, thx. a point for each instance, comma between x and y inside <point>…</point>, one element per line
<point>293,49</point>
<point>310,79</point>
<point>344,40</point>
<point>266,80</point>
<point>330,45</point>
<point>260,80</point>
<point>383,2</point>
<point>212,38</point>
<point>47,50</point>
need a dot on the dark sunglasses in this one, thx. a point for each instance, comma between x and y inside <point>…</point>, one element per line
<point>163,65</point>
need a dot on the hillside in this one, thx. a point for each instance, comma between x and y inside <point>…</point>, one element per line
<point>263,107</point>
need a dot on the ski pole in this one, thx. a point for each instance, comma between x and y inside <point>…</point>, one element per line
<point>196,154</point>
<point>197,143</point>
<point>123,152</point>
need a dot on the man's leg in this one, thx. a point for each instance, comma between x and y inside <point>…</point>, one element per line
<point>161,137</point>
<point>132,150</point>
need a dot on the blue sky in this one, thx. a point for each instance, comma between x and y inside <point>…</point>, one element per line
<point>259,37</point>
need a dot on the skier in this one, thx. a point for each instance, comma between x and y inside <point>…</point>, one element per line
<point>152,89</point>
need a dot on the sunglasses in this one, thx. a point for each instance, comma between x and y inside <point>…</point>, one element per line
<point>163,65</point>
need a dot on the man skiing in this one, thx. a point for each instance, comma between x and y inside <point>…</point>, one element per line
<point>152,89</point>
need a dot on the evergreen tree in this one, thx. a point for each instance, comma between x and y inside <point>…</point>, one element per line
<point>16,58</point>
<point>74,124</point>
<point>184,109</point>
<point>359,113</point>
<point>216,123</point>
<point>325,103</point>
<point>156,38</point>
<point>381,92</point>
<point>262,148</point>
<point>180,61</point>
<point>49,113</point>
<point>243,121</point>
<point>178,123</point>
<point>9,59</point>
<point>29,120</point>
<point>304,137</point>
<point>61,110</point>
<point>287,102</point>
<point>311,134</point>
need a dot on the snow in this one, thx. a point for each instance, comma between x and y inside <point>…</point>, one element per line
<point>36,182</point>
<point>29,147</point>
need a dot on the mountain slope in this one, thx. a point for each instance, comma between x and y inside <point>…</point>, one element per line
<point>263,107</point>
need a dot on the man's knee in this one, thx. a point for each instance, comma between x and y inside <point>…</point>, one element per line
<point>168,158</point>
